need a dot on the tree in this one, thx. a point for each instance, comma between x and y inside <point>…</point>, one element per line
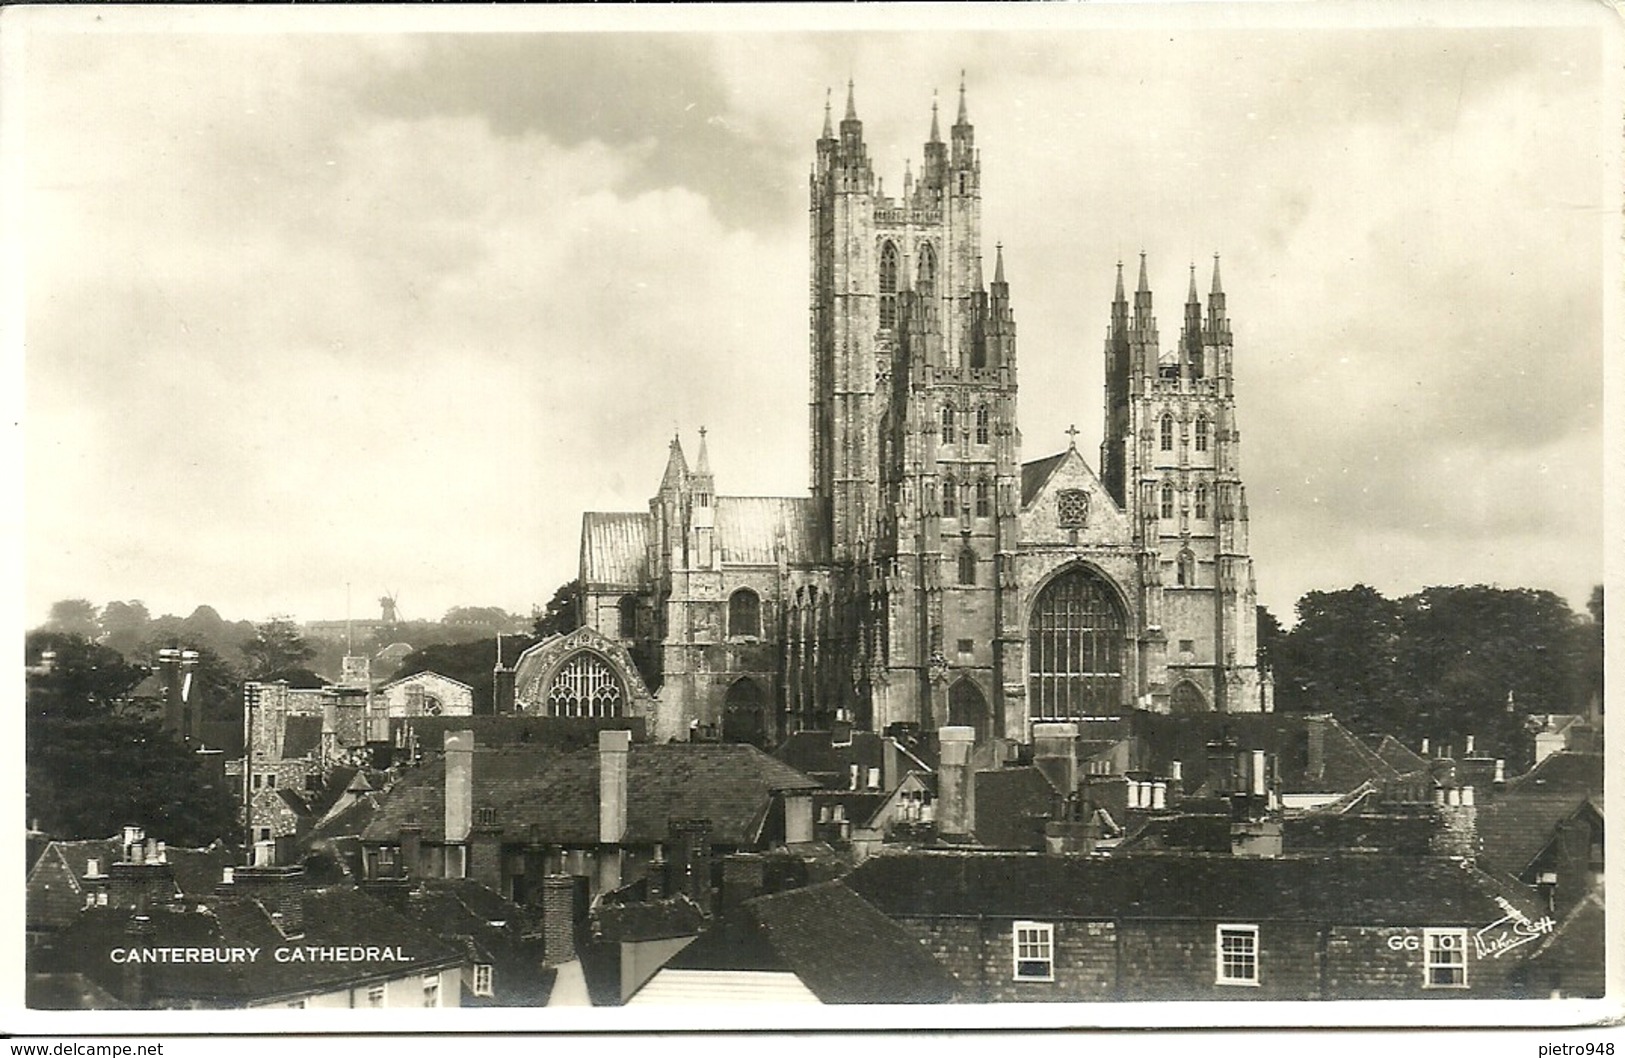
<point>277,651</point>
<point>1339,658</point>
<point>95,762</point>
<point>1270,634</point>
<point>563,613</point>
<point>217,687</point>
<point>74,617</point>
<point>124,625</point>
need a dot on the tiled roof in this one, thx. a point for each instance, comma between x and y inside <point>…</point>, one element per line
<point>750,528</point>
<point>419,796</point>
<point>1346,761</point>
<point>335,915</point>
<point>198,871</point>
<point>730,785</point>
<point>1576,950</point>
<point>1036,473</point>
<point>78,854</point>
<point>1564,772</point>
<point>615,549</point>
<point>301,736</point>
<point>1012,805</point>
<point>814,753</point>
<point>1184,832</point>
<point>677,916</point>
<point>1353,888</point>
<point>350,821</point>
<point>1398,757</point>
<point>845,950</point>
<point>68,991</point>
<point>1397,834</point>
<point>1514,829</point>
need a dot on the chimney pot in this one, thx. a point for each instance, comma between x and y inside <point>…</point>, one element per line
<point>1500,770</point>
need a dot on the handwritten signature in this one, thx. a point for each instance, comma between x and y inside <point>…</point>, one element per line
<point>1510,931</point>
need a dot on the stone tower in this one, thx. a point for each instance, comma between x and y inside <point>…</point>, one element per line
<point>913,403</point>
<point>1170,458</point>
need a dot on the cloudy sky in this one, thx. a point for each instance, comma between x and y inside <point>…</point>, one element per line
<point>308,309</point>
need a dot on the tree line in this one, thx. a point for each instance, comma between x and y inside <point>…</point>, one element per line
<point>1442,663</point>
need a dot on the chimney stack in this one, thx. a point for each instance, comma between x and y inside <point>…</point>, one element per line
<point>955,794</point>
<point>459,805</point>
<point>561,899</point>
<point>279,890</point>
<point>613,750</point>
<point>689,852</point>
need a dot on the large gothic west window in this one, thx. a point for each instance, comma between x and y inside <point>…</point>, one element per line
<point>585,686</point>
<point>888,286</point>
<point>1075,648</point>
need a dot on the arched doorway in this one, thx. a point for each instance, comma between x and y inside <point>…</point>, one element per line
<point>1188,699</point>
<point>967,707</point>
<point>744,714</point>
<point>1076,648</point>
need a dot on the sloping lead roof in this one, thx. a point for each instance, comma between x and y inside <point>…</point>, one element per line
<point>1516,828</point>
<point>1354,888</point>
<point>419,796</point>
<point>750,527</point>
<point>1034,474</point>
<point>615,548</point>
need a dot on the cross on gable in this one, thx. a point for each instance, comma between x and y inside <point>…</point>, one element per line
<point>1072,434</point>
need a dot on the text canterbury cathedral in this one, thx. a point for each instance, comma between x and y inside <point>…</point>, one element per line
<point>932,577</point>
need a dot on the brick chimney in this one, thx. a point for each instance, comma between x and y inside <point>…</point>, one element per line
<point>279,890</point>
<point>562,898</point>
<point>1055,754</point>
<point>798,816</point>
<point>744,875</point>
<point>613,749</point>
<point>138,933</point>
<point>955,790</point>
<point>1221,767</point>
<point>1456,814</point>
<point>459,805</point>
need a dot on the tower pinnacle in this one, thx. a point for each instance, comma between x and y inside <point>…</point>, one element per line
<point>829,129</point>
<point>1144,287</point>
<point>1191,298</point>
<point>976,273</point>
<point>998,265</point>
<point>702,464</point>
<point>1217,289</point>
<point>851,105</point>
<point>964,118</point>
<point>1120,295</point>
<point>936,137</point>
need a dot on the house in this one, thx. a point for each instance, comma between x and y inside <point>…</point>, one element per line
<point>510,817</point>
<point>1553,842</point>
<point>1024,927</point>
<point>1563,732</point>
<point>426,694</point>
<point>68,875</point>
<point>818,944</point>
<point>503,943</point>
<point>627,940</point>
<point>271,941</point>
<point>1562,771</point>
<point>1570,962</point>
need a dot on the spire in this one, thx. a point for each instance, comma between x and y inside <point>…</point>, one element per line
<point>976,273</point>
<point>829,129</point>
<point>964,117</point>
<point>702,465</point>
<point>1217,289</point>
<point>1191,298</point>
<point>851,106</point>
<point>998,266</point>
<point>936,137</point>
<point>1144,287</point>
<point>1121,297</point>
<point>676,475</point>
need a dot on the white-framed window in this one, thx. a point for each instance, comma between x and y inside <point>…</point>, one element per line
<point>1033,952</point>
<point>1445,958</point>
<point>1236,955</point>
<point>375,996</point>
<point>482,979</point>
<point>431,990</point>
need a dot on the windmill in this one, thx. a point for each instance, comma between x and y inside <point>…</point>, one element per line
<point>392,610</point>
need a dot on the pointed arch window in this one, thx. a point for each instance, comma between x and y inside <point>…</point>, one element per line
<point>984,422</point>
<point>1202,428</point>
<point>926,283</point>
<point>967,566</point>
<point>948,431</point>
<point>950,497</point>
<point>1167,501</point>
<point>1201,501</point>
<point>888,286</point>
<point>744,613</point>
<point>628,611</point>
<point>1187,569</point>
<point>1167,437</point>
<point>984,499</point>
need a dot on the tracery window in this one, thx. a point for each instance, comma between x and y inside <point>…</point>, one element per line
<point>1072,508</point>
<point>888,286</point>
<point>984,499</point>
<point>1167,437</point>
<point>950,497</point>
<point>948,432</point>
<point>1075,648</point>
<point>1201,501</point>
<point>926,284</point>
<point>1167,502</point>
<point>967,566</point>
<point>1201,433</point>
<point>984,420</point>
<point>744,613</point>
<point>585,686</point>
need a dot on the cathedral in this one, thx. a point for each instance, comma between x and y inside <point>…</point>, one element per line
<point>931,576</point>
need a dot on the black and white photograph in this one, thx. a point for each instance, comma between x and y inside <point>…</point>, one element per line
<point>1035,515</point>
